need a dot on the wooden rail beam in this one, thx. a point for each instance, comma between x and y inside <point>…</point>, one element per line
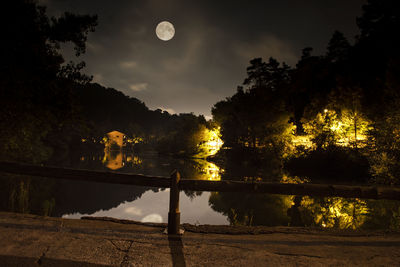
<point>84,175</point>
<point>320,190</point>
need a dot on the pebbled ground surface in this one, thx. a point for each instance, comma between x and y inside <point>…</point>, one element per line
<point>29,240</point>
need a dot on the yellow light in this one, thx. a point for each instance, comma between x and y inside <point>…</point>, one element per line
<point>336,127</point>
<point>212,143</point>
<point>209,170</point>
<point>302,140</point>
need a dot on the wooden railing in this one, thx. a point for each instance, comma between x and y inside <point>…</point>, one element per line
<point>176,184</point>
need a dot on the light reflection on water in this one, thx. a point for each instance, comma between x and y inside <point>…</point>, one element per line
<point>117,159</point>
<point>153,206</point>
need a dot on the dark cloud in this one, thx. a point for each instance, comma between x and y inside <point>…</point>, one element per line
<point>214,42</point>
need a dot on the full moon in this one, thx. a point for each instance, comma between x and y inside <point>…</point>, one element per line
<point>165,30</point>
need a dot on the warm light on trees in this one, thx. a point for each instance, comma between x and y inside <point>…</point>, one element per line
<point>210,142</point>
<point>349,129</point>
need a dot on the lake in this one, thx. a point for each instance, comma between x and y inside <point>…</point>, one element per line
<point>74,199</point>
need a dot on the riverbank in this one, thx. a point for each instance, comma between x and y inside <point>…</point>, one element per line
<point>30,240</point>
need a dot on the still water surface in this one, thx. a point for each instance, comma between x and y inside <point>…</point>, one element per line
<point>74,199</point>
<point>151,205</point>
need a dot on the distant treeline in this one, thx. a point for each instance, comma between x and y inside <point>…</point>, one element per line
<point>106,109</point>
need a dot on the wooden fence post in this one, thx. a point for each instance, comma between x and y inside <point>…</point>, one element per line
<point>174,215</point>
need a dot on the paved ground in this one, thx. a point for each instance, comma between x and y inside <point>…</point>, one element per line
<point>28,240</point>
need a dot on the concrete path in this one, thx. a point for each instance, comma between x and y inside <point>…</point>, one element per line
<point>29,240</point>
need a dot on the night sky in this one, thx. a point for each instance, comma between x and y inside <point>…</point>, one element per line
<point>213,44</point>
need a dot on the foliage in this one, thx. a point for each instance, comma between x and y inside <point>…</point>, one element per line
<point>35,97</point>
<point>348,97</point>
<point>329,128</point>
<point>256,117</point>
<point>321,128</point>
<point>385,149</point>
<point>210,142</point>
<point>187,132</point>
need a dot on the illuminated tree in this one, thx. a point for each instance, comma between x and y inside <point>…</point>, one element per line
<point>323,128</point>
<point>255,117</point>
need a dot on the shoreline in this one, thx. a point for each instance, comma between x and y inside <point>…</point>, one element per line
<point>252,230</point>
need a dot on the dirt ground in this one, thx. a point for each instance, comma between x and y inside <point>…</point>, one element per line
<point>29,240</point>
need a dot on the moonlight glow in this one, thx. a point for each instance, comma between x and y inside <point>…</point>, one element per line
<point>165,30</point>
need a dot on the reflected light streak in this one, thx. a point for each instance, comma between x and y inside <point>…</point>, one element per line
<point>213,172</point>
<point>209,170</point>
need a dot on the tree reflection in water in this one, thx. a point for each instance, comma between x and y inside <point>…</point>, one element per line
<point>330,212</point>
<point>25,194</point>
<point>252,209</point>
<point>281,210</point>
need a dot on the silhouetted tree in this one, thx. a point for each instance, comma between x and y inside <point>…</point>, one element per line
<point>255,116</point>
<point>34,86</point>
<point>338,48</point>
